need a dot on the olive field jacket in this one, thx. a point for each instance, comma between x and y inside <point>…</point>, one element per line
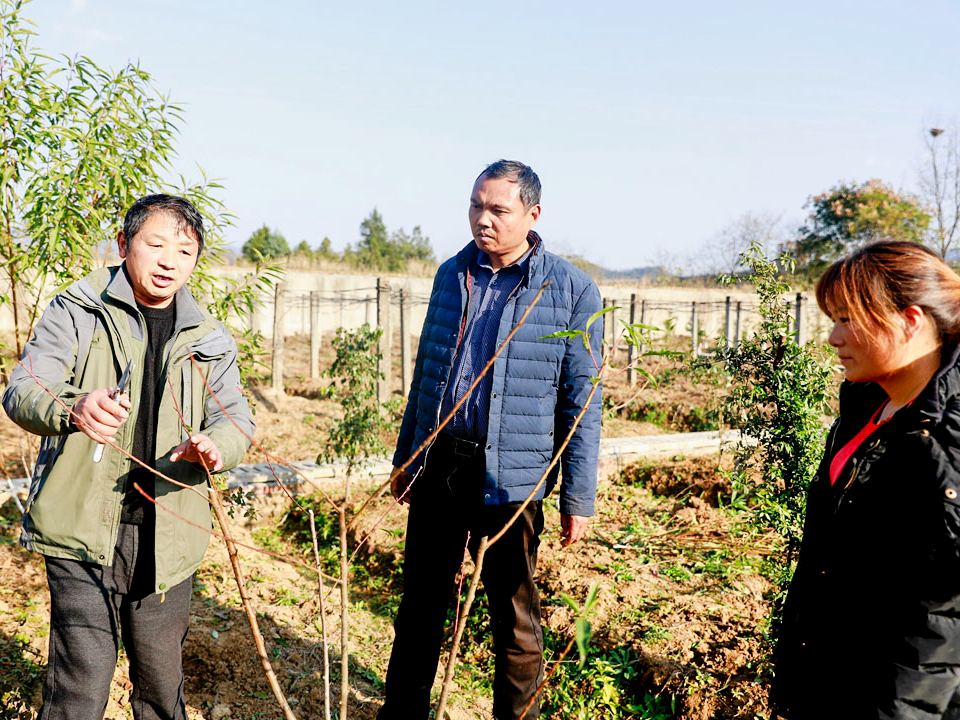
<point>83,342</point>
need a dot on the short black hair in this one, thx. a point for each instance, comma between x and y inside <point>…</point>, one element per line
<point>188,217</point>
<point>522,175</point>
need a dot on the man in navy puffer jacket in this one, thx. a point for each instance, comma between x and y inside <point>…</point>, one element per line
<point>496,447</point>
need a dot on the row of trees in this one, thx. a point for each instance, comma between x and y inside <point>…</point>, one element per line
<point>847,216</point>
<point>377,248</point>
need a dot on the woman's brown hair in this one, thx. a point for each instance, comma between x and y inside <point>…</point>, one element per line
<point>873,284</point>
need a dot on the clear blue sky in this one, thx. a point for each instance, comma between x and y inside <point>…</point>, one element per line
<point>651,125</point>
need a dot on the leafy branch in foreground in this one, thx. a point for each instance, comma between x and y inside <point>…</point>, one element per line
<point>79,144</point>
<point>581,637</point>
<point>635,334</point>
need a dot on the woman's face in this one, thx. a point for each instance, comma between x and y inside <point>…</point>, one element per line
<point>866,354</point>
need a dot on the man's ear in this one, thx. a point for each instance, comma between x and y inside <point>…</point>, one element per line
<point>122,244</point>
<point>534,214</point>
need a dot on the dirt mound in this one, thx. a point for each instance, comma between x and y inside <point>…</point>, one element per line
<point>707,478</point>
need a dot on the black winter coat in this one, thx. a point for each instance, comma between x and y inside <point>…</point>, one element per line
<point>871,625</point>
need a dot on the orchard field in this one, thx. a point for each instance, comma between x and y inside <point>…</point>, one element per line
<point>685,577</point>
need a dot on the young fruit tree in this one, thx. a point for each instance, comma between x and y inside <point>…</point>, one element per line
<point>779,398</point>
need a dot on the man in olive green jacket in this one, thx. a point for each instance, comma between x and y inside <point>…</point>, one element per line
<point>119,568</point>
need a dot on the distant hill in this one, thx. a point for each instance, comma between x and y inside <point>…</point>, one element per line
<point>598,272</point>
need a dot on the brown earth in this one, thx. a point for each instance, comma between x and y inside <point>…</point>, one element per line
<point>682,599</point>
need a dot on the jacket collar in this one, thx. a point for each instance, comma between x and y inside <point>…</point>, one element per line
<point>932,400</point>
<point>120,289</point>
<point>930,404</point>
<point>468,255</point>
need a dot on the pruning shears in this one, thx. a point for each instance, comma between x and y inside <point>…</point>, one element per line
<point>114,394</point>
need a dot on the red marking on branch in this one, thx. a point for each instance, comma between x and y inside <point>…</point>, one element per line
<point>106,441</point>
<point>456,616</point>
<point>270,457</point>
<point>215,534</point>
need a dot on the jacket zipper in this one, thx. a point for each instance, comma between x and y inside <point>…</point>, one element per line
<point>463,324</point>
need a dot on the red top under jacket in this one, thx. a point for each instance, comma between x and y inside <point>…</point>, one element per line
<point>841,458</point>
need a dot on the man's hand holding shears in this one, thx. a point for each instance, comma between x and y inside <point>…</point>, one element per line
<point>100,413</point>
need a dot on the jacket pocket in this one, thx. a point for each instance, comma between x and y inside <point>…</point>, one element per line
<point>211,346</point>
<point>193,387</point>
<point>98,365</point>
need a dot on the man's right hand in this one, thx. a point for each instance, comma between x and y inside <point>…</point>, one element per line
<point>400,485</point>
<point>99,416</point>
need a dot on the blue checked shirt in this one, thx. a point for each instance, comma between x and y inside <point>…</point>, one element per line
<point>488,297</point>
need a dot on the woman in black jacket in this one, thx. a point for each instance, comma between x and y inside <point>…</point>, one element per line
<point>871,624</point>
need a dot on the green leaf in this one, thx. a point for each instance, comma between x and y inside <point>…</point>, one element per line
<point>561,334</point>
<point>648,376</point>
<point>598,314</point>
<point>582,629</point>
<point>591,598</point>
<point>641,326</point>
<point>7,174</point>
<point>571,603</point>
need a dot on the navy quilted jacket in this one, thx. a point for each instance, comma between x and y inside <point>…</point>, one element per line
<point>539,386</point>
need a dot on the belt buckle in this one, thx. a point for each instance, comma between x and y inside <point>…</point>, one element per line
<point>464,448</point>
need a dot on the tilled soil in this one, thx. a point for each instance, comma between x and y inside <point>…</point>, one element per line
<point>682,598</point>
<point>680,591</point>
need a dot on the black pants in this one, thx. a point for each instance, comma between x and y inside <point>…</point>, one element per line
<point>93,608</point>
<point>446,504</point>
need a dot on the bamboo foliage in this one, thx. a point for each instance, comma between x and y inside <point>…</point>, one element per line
<point>78,145</point>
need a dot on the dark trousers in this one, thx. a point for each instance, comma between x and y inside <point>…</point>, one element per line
<point>446,504</point>
<point>93,608</point>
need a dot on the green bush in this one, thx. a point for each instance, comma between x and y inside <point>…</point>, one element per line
<point>780,392</point>
<point>607,686</point>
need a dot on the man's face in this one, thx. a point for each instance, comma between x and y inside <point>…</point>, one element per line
<point>499,221</point>
<point>159,258</point>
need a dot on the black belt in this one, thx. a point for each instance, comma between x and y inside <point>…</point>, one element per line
<point>460,446</point>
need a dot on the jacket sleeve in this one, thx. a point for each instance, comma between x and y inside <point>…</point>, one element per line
<point>578,486</point>
<point>51,355</point>
<point>927,656</point>
<point>408,425</point>
<point>224,379</point>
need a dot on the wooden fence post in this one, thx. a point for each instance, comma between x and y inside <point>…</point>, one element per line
<point>383,322</point>
<point>632,352</point>
<point>736,332</point>
<point>406,359</point>
<point>610,320</point>
<point>798,320</point>
<point>726,323</point>
<point>693,328</point>
<point>254,319</point>
<point>315,334</point>
<point>278,313</point>
<point>605,303</point>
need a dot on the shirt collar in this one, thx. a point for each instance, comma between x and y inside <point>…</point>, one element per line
<point>483,260</point>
